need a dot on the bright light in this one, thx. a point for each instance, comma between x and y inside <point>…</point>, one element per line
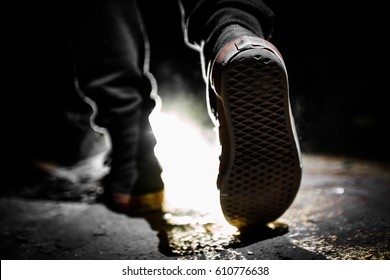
<point>190,162</point>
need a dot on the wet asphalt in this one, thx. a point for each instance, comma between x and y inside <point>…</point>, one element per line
<point>342,211</point>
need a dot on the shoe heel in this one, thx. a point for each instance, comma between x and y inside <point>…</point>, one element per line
<point>262,175</point>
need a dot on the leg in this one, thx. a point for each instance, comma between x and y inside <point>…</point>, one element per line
<point>260,168</point>
<point>205,21</point>
<point>108,43</point>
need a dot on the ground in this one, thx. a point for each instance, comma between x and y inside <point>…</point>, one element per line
<point>342,211</point>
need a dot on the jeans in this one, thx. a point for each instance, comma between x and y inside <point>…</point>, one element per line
<point>107,45</point>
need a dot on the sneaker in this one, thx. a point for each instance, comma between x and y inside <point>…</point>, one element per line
<point>143,195</point>
<point>136,205</point>
<point>260,164</point>
<point>146,196</point>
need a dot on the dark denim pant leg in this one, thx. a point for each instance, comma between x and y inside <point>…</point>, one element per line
<point>109,50</point>
<point>205,19</point>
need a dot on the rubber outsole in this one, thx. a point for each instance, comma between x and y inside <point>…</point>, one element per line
<point>262,173</point>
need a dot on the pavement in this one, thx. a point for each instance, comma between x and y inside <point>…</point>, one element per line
<point>342,211</point>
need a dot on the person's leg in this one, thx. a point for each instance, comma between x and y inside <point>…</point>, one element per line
<point>260,167</point>
<point>108,42</point>
<point>204,22</point>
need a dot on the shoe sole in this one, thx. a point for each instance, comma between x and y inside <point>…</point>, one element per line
<point>263,172</point>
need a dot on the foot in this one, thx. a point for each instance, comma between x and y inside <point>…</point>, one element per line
<point>136,205</point>
<point>134,186</point>
<point>260,167</point>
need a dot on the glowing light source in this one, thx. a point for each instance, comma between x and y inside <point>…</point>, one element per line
<point>190,167</point>
<point>190,161</point>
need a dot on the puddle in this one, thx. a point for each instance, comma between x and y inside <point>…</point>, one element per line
<point>189,234</point>
<point>192,225</point>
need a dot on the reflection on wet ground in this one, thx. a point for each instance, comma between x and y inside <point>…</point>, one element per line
<point>341,212</point>
<point>194,235</point>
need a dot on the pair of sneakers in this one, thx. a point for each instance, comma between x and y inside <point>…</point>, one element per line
<point>260,165</point>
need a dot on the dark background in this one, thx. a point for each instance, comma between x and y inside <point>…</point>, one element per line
<point>336,55</point>
<point>337,59</point>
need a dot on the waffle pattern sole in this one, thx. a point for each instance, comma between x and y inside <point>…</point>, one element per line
<point>263,172</point>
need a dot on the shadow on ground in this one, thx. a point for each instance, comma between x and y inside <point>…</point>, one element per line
<point>341,212</point>
<point>33,229</point>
